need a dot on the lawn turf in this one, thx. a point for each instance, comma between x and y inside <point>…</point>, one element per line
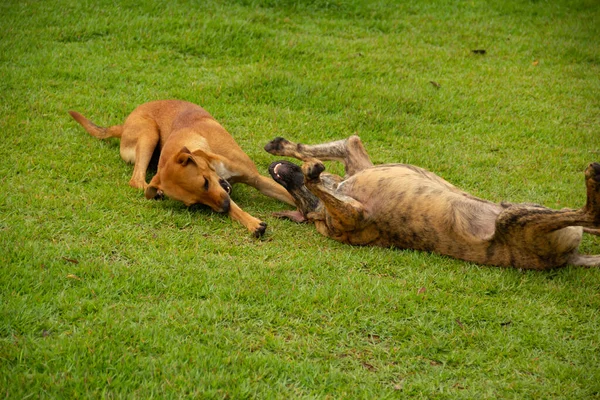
<point>106,294</point>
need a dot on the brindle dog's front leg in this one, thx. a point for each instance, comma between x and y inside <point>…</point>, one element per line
<point>350,152</point>
<point>343,213</point>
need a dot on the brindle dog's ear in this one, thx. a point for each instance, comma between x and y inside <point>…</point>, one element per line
<point>185,156</point>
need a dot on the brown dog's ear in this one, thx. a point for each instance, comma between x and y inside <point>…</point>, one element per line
<point>185,156</point>
<point>207,155</point>
<point>151,192</point>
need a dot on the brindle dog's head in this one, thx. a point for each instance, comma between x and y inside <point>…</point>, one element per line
<point>290,176</point>
<point>190,178</point>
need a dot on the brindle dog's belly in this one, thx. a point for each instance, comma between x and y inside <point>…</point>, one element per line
<point>408,207</point>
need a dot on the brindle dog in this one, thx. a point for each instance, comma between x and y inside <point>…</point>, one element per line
<point>407,207</point>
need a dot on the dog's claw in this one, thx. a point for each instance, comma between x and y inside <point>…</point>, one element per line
<point>313,170</point>
<point>258,232</point>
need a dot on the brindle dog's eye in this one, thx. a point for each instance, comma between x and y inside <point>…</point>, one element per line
<point>205,184</point>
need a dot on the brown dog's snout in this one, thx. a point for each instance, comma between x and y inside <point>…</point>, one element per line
<point>226,205</point>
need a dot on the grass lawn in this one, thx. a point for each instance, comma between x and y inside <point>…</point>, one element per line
<point>106,294</point>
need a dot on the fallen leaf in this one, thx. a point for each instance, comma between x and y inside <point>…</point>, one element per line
<point>369,366</point>
<point>422,290</point>
<point>71,260</point>
<point>71,276</point>
<point>536,62</point>
<point>374,337</point>
<point>460,323</point>
<point>434,83</point>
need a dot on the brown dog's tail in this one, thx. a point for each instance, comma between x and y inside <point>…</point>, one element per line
<point>95,130</point>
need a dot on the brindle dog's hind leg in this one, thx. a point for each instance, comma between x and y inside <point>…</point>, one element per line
<point>542,231</point>
<point>350,152</point>
<point>585,261</point>
<point>592,231</point>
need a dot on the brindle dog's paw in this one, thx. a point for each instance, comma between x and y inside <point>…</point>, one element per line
<point>312,170</point>
<point>258,232</point>
<point>593,172</point>
<point>277,145</point>
<point>592,183</point>
<point>287,174</point>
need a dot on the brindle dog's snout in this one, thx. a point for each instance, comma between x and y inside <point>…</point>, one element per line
<point>287,174</point>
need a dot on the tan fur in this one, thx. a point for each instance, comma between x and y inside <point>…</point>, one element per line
<point>404,206</point>
<point>196,155</point>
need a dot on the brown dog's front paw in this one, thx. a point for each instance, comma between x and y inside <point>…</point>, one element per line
<point>258,232</point>
<point>312,170</point>
<point>277,145</point>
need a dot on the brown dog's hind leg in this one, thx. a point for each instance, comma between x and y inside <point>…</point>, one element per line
<point>137,146</point>
<point>350,152</point>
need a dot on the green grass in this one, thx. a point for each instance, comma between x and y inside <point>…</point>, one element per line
<point>105,294</point>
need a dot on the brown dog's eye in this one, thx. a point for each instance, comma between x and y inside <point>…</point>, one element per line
<point>205,184</point>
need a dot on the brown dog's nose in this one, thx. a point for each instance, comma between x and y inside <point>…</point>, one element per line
<point>226,205</point>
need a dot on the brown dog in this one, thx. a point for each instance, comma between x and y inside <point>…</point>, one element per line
<point>198,157</point>
<point>404,206</point>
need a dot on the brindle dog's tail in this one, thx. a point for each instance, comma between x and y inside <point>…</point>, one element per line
<point>95,130</point>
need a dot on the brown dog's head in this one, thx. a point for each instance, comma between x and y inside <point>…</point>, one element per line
<point>190,178</point>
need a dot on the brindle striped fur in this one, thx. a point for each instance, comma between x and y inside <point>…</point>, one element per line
<point>404,206</point>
